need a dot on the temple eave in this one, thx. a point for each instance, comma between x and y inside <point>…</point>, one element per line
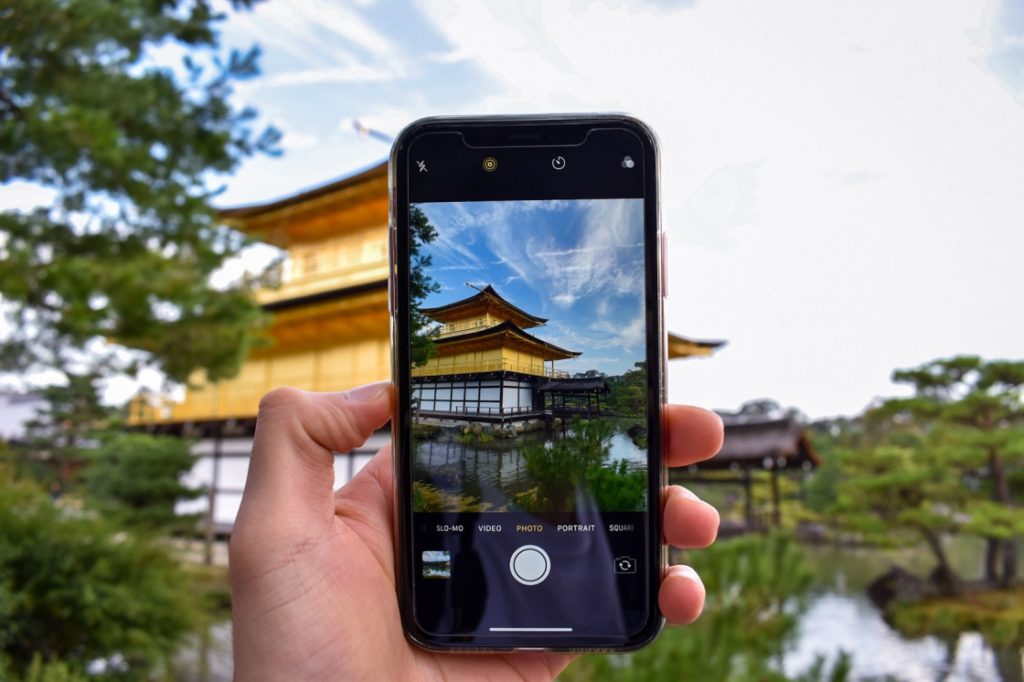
<point>488,299</point>
<point>506,336</point>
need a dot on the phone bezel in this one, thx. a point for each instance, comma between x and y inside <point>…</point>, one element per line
<point>498,131</point>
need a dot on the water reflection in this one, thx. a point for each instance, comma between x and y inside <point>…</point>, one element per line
<point>495,471</point>
<point>839,615</point>
<point>850,622</point>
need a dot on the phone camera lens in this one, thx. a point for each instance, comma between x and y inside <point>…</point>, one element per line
<point>490,164</point>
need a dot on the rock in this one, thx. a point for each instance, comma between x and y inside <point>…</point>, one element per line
<point>898,584</point>
<point>812,532</point>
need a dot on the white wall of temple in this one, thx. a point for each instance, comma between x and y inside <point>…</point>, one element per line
<point>233,466</point>
<point>517,395</point>
<point>472,396</point>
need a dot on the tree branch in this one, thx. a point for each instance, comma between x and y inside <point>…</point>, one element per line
<point>9,104</point>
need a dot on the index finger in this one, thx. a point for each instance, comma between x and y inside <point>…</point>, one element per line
<point>691,435</point>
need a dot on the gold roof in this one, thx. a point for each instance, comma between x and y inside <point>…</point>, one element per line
<point>506,335</point>
<point>486,301</point>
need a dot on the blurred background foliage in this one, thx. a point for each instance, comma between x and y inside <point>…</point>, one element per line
<point>129,151</point>
<point>78,588</point>
<point>112,277</point>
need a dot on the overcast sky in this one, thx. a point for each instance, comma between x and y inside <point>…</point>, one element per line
<point>843,182</point>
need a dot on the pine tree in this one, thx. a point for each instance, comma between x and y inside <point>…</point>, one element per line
<point>948,460</point>
<point>421,285</point>
<point>63,429</point>
<point>972,411</point>
<point>129,150</point>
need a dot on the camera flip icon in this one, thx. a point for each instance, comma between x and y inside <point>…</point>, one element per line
<point>625,564</point>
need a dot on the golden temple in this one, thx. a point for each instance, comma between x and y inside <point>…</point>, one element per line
<point>330,327</point>
<point>484,364</point>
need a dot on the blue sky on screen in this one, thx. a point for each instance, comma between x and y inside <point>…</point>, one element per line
<point>577,263</point>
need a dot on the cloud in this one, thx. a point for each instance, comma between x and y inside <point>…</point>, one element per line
<point>353,73</point>
<point>466,266</point>
<point>332,21</point>
<point>922,260</point>
<point>604,263</point>
<point>1005,58</point>
<point>725,199</point>
<point>628,337</point>
<point>853,177</point>
<point>298,140</point>
<point>915,104</point>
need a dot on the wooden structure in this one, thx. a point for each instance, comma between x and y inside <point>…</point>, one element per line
<point>756,444</point>
<point>485,366</point>
<point>575,397</point>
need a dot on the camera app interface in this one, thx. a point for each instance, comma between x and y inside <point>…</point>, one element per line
<point>529,415</point>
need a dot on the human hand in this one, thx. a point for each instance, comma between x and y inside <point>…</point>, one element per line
<point>313,570</point>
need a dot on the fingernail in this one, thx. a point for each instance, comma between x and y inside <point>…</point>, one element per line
<point>688,493</point>
<point>688,572</point>
<point>369,392</point>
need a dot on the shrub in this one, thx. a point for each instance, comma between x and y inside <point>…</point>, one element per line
<point>136,478</point>
<point>73,588</point>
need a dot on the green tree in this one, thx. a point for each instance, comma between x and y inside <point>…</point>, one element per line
<point>128,149</point>
<point>421,285</point>
<point>972,413</point>
<point>55,437</point>
<point>137,479</point>
<point>895,494</point>
<point>75,588</point>
<point>574,467</point>
<point>560,468</point>
<point>949,459</point>
<point>628,392</point>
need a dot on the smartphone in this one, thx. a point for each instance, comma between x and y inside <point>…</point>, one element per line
<point>526,294</point>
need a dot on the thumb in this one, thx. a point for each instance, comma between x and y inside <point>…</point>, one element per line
<point>289,487</point>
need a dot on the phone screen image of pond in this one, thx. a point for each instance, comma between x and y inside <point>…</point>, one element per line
<point>596,464</point>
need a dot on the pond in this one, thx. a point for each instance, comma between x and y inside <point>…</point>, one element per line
<point>836,616</point>
<point>840,616</point>
<point>494,471</point>
<point>851,622</point>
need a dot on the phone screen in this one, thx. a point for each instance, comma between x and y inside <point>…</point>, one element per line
<point>529,387</point>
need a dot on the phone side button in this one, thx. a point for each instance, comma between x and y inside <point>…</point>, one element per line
<point>662,267</point>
